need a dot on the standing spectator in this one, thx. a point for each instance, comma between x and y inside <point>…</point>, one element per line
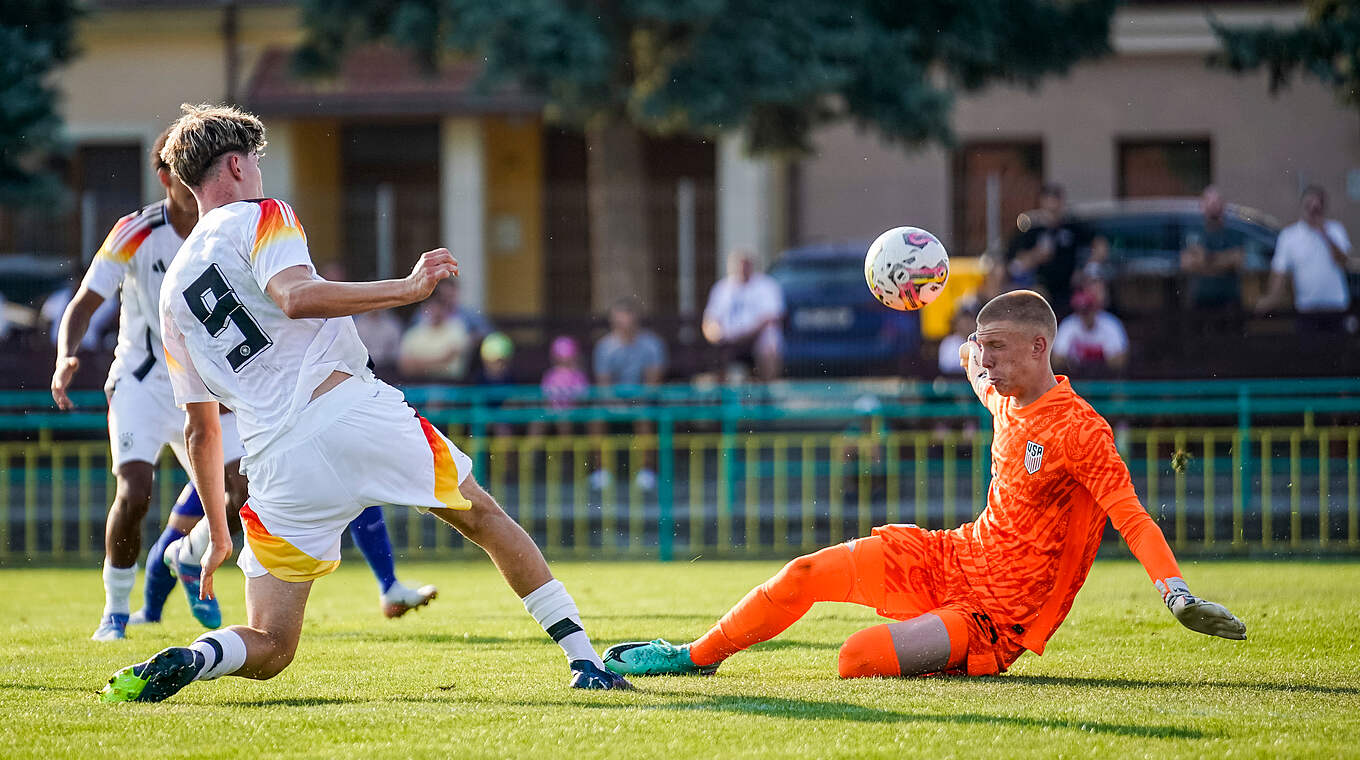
<point>564,383</point>
<point>744,315</point>
<point>380,330</point>
<point>435,347</point>
<point>627,355</point>
<point>1315,251</point>
<point>1049,252</point>
<point>1091,341</point>
<point>1213,257</point>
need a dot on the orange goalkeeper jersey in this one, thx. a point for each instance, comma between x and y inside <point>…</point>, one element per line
<point>1056,475</point>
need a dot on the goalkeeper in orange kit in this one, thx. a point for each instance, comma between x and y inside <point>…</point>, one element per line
<point>972,599</point>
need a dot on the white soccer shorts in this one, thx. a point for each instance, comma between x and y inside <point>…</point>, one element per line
<point>355,446</point>
<point>143,418</point>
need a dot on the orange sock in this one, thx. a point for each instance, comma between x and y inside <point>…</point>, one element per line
<point>826,576</point>
<point>869,653</point>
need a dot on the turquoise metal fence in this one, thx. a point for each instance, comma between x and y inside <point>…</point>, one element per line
<point>772,471</point>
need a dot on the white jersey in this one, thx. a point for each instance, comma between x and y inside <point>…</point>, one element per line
<point>135,257</point>
<point>225,338</point>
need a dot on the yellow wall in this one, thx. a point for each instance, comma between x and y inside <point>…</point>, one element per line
<point>514,215</point>
<point>316,184</point>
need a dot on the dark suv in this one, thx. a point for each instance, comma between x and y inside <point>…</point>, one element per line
<point>834,325</point>
<point>1146,238</point>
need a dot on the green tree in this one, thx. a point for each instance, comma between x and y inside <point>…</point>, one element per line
<point>35,37</point>
<point>776,70</point>
<point>1326,46</point>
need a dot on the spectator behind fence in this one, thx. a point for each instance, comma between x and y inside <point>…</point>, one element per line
<point>380,330</point>
<point>1213,257</point>
<point>962,325</point>
<point>744,317</point>
<point>1048,252</point>
<point>564,383</point>
<point>435,347</point>
<point>1091,342</point>
<point>1315,252</point>
<point>628,355</point>
<point>449,296</point>
<point>495,372</point>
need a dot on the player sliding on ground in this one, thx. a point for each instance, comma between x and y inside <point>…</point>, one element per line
<point>247,323</point>
<point>972,599</point>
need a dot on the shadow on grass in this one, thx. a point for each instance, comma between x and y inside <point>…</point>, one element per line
<point>47,687</point>
<point>769,707</point>
<point>806,709</point>
<point>424,638</point>
<point>1068,682</point>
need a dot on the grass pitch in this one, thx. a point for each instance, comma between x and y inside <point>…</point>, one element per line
<point>472,676</point>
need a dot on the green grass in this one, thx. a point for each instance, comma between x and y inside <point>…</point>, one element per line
<point>472,676</point>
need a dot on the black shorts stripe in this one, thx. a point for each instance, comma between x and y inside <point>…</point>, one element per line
<point>563,628</point>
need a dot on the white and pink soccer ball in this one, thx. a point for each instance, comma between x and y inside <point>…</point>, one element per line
<point>906,268</point>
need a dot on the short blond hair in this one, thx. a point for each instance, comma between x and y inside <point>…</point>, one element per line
<point>203,134</point>
<point>1023,307</point>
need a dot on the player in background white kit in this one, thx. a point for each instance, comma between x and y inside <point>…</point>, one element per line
<point>143,418</point>
<point>248,323</point>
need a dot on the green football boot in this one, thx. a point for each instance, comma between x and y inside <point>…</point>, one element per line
<point>653,658</point>
<point>156,679</point>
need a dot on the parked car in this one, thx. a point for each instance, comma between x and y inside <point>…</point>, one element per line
<point>834,325</point>
<point>1146,237</point>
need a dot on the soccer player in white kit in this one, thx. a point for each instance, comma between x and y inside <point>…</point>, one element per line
<point>248,323</point>
<point>143,418</point>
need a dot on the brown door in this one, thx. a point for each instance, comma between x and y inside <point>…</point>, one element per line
<point>1019,171</point>
<point>404,157</point>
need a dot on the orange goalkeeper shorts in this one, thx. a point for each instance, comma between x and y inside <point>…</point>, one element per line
<point>905,571</point>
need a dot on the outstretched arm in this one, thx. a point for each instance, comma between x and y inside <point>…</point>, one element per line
<point>302,295</point>
<point>1148,544</point>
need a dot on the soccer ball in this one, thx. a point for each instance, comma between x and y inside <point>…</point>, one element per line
<point>906,268</point>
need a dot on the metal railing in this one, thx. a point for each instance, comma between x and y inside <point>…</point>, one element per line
<point>767,493</point>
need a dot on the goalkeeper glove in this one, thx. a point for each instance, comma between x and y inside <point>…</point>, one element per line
<point>1197,614</point>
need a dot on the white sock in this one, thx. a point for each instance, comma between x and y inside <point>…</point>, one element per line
<point>224,652</point>
<point>554,609</point>
<point>192,551</point>
<point>118,582</point>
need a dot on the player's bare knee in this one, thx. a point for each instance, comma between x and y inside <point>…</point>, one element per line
<point>134,491</point>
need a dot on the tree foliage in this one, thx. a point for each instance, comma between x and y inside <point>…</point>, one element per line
<point>35,37</point>
<point>778,69</point>
<point>1326,47</point>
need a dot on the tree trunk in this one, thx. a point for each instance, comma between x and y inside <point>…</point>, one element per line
<point>622,263</point>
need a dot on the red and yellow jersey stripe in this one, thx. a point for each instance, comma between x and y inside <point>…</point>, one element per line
<point>278,225</point>
<point>130,232</point>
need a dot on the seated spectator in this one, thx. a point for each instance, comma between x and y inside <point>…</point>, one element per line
<point>497,350</point>
<point>381,333</point>
<point>448,295</point>
<point>744,317</point>
<point>434,347</point>
<point>963,324</point>
<point>101,323</point>
<point>1213,257</point>
<point>1091,342</point>
<point>564,383</point>
<point>1315,252</point>
<point>380,330</point>
<point>628,355</point>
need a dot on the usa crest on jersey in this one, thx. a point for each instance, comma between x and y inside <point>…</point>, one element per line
<point>1034,457</point>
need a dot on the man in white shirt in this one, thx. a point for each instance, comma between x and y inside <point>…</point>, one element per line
<point>1090,341</point>
<point>248,323</point>
<point>744,315</point>
<point>1314,253</point>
